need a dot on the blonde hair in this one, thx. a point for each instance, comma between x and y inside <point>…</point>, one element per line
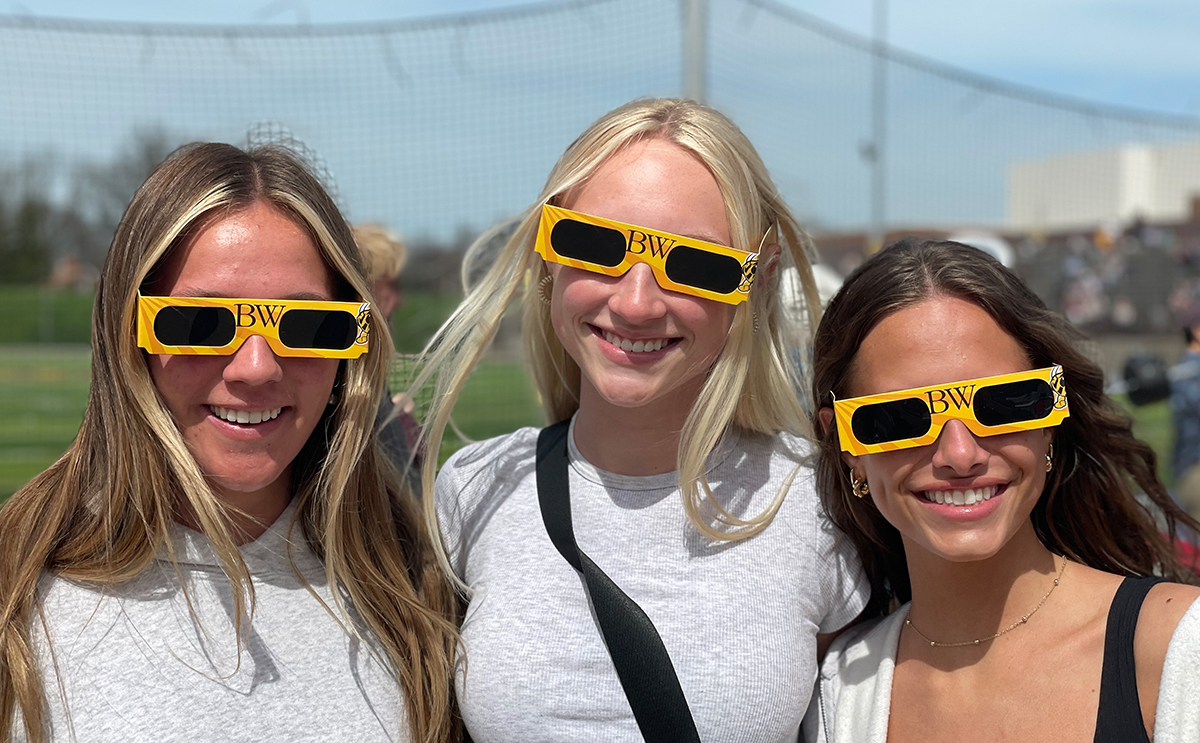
<point>100,513</point>
<point>754,384</point>
<point>384,252</point>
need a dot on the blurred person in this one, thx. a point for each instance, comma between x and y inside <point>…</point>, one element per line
<point>223,552</point>
<point>399,432</point>
<point>674,476</point>
<point>1185,416</point>
<point>970,452</point>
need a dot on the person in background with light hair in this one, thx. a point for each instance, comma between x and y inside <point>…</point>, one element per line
<point>399,432</point>
<point>688,481</point>
<point>223,551</point>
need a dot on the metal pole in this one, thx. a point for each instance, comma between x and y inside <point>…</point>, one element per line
<point>695,49</point>
<point>879,129</point>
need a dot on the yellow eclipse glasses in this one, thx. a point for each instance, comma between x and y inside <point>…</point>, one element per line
<point>681,264</point>
<point>989,406</point>
<point>215,326</point>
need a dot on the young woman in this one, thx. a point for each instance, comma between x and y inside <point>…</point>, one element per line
<point>222,551</point>
<point>675,366</point>
<point>971,454</point>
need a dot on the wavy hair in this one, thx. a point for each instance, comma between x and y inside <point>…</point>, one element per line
<point>755,382</point>
<point>99,514</point>
<point>1087,511</point>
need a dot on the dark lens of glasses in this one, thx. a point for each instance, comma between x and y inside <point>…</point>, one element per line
<point>1014,402</point>
<point>699,268</point>
<point>588,243</point>
<point>327,329</point>
<point>194,326</point>
<point>894,420</point>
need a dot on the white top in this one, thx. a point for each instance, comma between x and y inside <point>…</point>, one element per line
<point>133,665</point>
<point>738,618</point>
<point>854,694</point>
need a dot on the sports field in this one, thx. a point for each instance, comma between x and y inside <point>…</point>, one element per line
<point>43,391</point>
<point>44,385</point>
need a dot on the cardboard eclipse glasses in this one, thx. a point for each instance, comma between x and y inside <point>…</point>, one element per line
<point>215,326</point>
<point>987,407</point>
<point>681,264</point>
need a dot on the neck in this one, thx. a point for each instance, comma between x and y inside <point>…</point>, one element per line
<point>249,514</point>
<point>637,441</point>
<point>964,601</point>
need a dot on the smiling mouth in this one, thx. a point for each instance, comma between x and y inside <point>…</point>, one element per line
<point>245,417</point>
<point>638,346</point>
<point>965,497</point>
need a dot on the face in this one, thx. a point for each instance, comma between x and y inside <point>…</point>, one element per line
<point>255,253</point>
<point>937,341</point>
<point>636,343</point>
<point>387,297</point>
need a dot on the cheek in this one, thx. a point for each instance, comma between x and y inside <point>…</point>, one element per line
<point>184,381</point>
<point>887,473</point>
<point>708,321</point>
<point>311,378</point>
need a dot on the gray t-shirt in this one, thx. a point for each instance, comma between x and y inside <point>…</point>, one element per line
<point>131,664</point>
<point>738,618</point>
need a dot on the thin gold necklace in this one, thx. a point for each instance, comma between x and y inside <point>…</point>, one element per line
<point>1005,631</point>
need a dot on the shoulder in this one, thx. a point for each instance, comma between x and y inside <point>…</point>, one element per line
<point>770,460</point>
<point>489,459</point>
<point>478,478</point>
<point>1160,619</point>
<point>1172,616</point>
<point>864,647</point>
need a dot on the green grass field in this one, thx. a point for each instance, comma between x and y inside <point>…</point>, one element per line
<point>43,391</point>
<point>43,386</point>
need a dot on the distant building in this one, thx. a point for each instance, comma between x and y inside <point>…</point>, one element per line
<point>1154,183</point>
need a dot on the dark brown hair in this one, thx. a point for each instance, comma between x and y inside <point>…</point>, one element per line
<point>1087,511</point>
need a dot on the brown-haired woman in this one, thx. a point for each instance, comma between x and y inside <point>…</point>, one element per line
<point>223,552</point>
<point>971,454</point>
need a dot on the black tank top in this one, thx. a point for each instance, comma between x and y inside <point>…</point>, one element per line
<point>1119,719</point>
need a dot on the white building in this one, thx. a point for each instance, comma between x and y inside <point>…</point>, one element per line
<point>1155,182</point>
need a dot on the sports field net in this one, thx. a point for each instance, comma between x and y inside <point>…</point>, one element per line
<point>439,128</point>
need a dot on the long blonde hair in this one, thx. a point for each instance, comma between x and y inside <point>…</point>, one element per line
<point>99,514</point>
<point>754,384</point>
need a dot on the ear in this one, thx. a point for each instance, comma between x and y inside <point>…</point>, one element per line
<point>769,258</point>
<point>825,415</point>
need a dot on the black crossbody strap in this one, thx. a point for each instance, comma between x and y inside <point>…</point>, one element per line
<point>637,651</point>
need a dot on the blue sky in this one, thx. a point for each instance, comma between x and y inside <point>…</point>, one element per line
<point>1141,53</point>
<point>454,126</point>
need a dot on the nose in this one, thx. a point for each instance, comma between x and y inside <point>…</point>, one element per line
<point>254,363</point>
<point>638,297</point>
<point>959,451</point>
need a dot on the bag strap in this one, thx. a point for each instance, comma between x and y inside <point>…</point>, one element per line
<point>643,665</point>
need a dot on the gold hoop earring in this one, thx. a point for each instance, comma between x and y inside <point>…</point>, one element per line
<point>860,488</point>
<point>1050,457</point>
<point>546,289</point>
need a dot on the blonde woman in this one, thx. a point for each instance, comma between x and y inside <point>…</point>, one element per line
<point>688,483</point>
<point>222,552</point>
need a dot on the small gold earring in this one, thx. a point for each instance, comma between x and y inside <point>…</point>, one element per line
<point>859,487</point>
<point>1050,457</point>
<point>546,289</point>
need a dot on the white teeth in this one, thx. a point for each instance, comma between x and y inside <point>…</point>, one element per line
<point>635,346</point>
<point>968,497</point>
<point>245,416</point>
